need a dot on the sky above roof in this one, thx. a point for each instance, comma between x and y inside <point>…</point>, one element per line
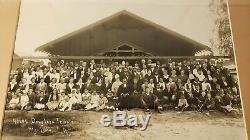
<point>43,21</point>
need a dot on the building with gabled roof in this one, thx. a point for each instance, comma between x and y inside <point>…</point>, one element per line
<point>123,34</point>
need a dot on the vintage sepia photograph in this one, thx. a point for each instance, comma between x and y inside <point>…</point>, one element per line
<point>114,69</point>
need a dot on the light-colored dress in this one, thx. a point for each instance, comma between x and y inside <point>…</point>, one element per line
<point>183,102</point>
<point>78,98</point>
<point>24,100</point>
<point>94,102</point>
<point>86,98</point>
<point>102,103</point>
<point>61,86</point>
<point>115,86</point>
<point>13,103</point>
<point>63,100</point>
<point>72,100</point>
<point>53,104</point>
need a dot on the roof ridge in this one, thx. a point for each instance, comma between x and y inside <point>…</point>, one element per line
<point>116,15</point>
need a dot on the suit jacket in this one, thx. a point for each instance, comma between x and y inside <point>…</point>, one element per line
<point>89,87</point>
<point>196,93</point>
<point>209,102</point>
<point>95,79</point>
<point>156,79</point>
<point>159,93</point>
<point>148,77</point>
<point>168,93</point>
<point>32,86</point>
<point>123,90</point>
<point>69,88</point>
<point>106,87</point>
<point>81,87</point>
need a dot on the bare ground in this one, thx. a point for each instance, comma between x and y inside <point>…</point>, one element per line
<point>168,125</point>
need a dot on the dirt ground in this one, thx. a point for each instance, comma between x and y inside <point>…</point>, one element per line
<point>86,126</point>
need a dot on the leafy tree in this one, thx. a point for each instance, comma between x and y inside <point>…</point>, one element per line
<point>221,43</point>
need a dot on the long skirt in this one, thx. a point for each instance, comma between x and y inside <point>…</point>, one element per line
<point>39,106</point>
<point>12,106</point>
<point>23,104</point>
<point>52,105</point>
<point>101,107</point>
<point>91,105</point>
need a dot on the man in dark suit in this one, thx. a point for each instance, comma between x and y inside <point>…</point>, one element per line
<point>13,85</point>
<point>123,94</point>
<point>97,77</point>
<point>150,101</point>
<point>156,78</point>
<point>162,98</point>
<point>70,86</point>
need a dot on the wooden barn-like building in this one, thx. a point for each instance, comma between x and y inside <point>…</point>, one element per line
<point>123,34</point>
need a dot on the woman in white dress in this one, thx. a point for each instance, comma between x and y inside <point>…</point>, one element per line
<point>102,103</point>
<point>63,99</point>
<point>13,104</point>
<point>24,100</point>
<point>61,85</point>
<point>78,105</point>
<point>116,84</point>
<point>86,97</point>
<point>94,101</point>
<point>72,100</point>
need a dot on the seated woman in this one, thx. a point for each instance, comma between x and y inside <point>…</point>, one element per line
<point>86,96</point>
<point>53,100</point>
<point>102,103</point>
<point>24,101</point>
<point>78,104</point>
<point>14,102</point>
<point>94,101</point>
<point>42,99</point>
<point>63,99</point>
<point>72,100</point>
<point>61,85</point>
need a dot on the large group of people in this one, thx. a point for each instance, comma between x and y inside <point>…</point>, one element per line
<point>63,85</point>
